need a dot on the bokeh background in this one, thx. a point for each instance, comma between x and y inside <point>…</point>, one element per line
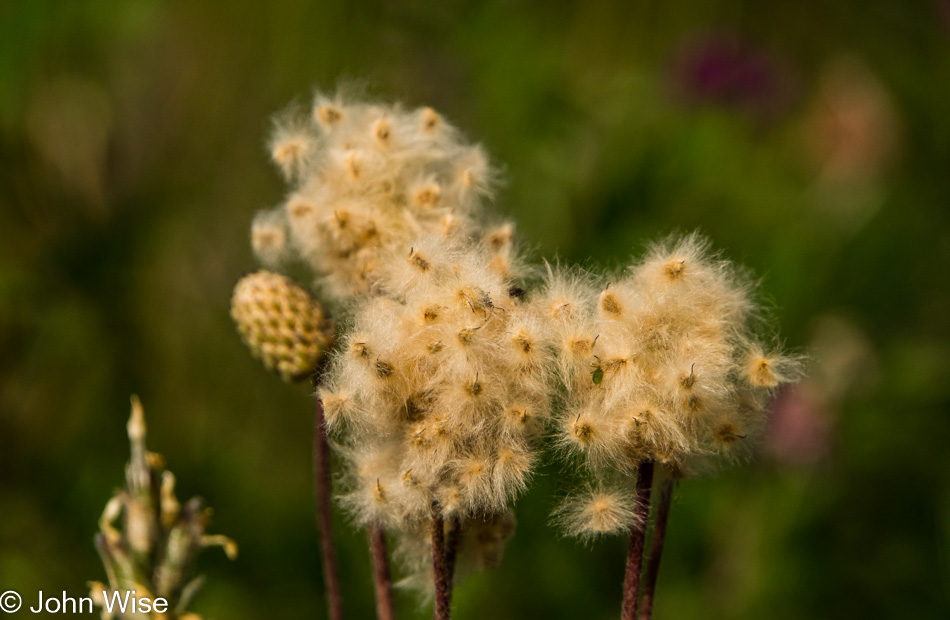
<point>810,141</point>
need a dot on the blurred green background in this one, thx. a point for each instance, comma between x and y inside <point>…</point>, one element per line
<point>810,141</point>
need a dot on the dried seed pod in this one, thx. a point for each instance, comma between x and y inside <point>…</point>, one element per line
<point>148,541</point>
<point>283,325</point>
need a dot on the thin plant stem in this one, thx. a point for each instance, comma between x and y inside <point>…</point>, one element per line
<point>451,553</point>
<point>442,596</point>
<point>321,474</point>
<point>656,548</point>
<point>382,580</point>
<point>631,582</point>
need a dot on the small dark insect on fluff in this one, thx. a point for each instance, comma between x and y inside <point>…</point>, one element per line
<point>516,292</point>
<point>598,375</point>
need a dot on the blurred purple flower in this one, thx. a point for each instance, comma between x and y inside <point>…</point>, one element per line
<point>723,70</point>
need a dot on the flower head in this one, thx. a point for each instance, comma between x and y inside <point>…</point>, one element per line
<point>446,386</point>
<point>365,181</point>
<point>660,364</point>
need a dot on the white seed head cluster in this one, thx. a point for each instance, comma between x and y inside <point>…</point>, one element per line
<point>365,181</point>
<point>436,396</point>
<point>444,378</point>
<point>660,365</point>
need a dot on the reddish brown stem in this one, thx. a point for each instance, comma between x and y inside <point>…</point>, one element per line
<point>451,554</point>
<point>631,582</point>
<point>321,474</point>
<point>382,581</point>
<point>441,611</point>
<point>656,548</point>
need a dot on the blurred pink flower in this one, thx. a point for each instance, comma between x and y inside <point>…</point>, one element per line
<point>800,429</point>
<point>843,363</point>
<point>851,128</point>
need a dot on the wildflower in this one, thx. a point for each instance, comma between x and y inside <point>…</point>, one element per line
<point>365,180</point>
<point>660,367</point>
<point>447,383</point>
<point>673,372</point>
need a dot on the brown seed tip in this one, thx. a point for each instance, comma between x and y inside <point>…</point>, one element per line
<point>353,163</point>
<point>382,132</point>
<point>610,304</point>
<point>418,261</point>
<point>675,268</point>
<point>300,209</point>
<point>428,195</point>
<point>500,238</point>
<point>760,372</point>
<point>689,379</point>
<point>430,120</point>
<point>287,153</point>
<point>728,434</point>
<point>328,115</point>
<point>583,431</point>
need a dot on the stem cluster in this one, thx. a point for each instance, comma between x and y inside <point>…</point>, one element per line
<point>639,586</point>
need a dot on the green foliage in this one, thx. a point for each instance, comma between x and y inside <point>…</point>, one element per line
<point>132,160</point>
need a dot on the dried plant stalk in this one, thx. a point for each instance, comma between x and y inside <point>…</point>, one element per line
<point>631,583</point>
<point>452,541</point>
<point>656,548</point>
<point>440,578</point>
<point>382,580</point>
<point>321,473</point>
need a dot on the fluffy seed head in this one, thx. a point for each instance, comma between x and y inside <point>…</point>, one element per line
<point>661,365</point>
<point>768,370</point>
<point>365,182</point>
<point>596,512</point>
<point>449,373</point>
